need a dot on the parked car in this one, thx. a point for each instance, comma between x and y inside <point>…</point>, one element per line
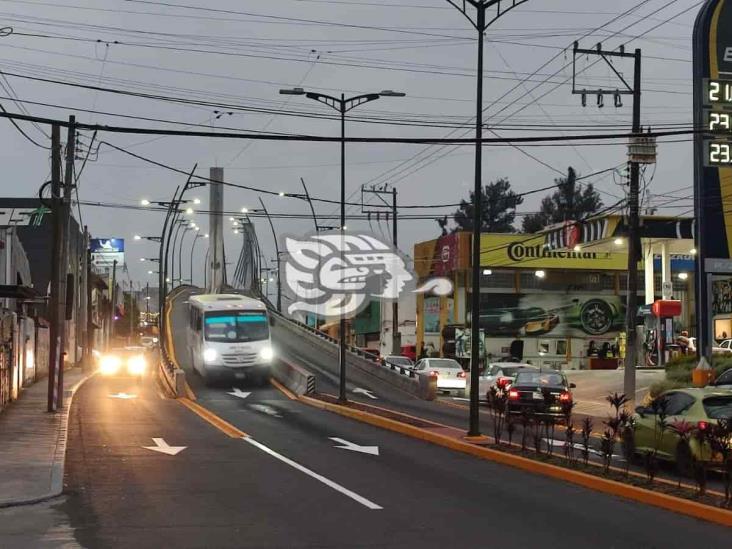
<point>397,361</point>
<point>542,392</point>
<point>450,375</point>
<point>501,375</point>
<point>699,407</point>
<point>725,346</point>
<point>724,381</point>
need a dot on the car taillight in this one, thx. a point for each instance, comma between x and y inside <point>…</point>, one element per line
<point>435,373</point>
<point>565,397</point>
<point>513,394</point>
<point>461,374</point>
<point>702,425</point>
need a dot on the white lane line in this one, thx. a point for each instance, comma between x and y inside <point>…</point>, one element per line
<point>337,487</point>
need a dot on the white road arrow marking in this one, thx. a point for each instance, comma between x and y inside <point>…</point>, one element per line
<point>163,447</point>
<point>345,445</point>
<point>365,392</point>
<point>238,393</point>
<point>265,409</point>
<point>123,396</point>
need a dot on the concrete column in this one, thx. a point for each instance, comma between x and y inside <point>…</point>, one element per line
<point>649,274</point>
<point>665,262</point>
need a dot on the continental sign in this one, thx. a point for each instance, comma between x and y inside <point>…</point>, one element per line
<point>512,250</point>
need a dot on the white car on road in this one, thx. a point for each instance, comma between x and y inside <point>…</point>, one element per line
<point>450,375</point>
<point>500,373</point>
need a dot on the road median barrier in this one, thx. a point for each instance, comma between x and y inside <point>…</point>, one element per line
<point>406,379</point>
<point>453,439</point>
<point>296,379</point>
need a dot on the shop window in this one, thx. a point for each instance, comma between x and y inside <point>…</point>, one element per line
<point>544,347</point>
<point>561,346</point>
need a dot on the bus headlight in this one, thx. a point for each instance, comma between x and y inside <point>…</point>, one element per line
<point>210,355</point>
<point>109,365</point>
<point>266,354</point>
<point>136,365</point>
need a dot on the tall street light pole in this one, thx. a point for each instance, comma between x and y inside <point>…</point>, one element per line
<point>277,251</point>
<point>193,249</point>
<point>342,105</point>
<point>481,23</point>
<point>180,251</point>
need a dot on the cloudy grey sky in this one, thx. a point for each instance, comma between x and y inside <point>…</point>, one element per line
<point>240,53</point>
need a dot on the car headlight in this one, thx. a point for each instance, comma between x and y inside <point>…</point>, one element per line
<point>136,365</point>
<point>267,353</point>
<point>109,365</point>
<point>155,340</point>
<point>209,355</point>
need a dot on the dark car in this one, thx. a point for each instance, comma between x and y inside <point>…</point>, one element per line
<point>724,381</point>
<point>542,392</point>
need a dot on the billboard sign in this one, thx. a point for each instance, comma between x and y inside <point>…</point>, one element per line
<point>105,251</point>
<point>712,56</point>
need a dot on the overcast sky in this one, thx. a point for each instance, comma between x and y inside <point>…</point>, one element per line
<point>248,50</point>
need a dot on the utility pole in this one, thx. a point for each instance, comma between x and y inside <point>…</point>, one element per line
<point>89,341</point>
<point>82,323</point>
<point>53,306</point>
<point>113,297</point>
<point>64,259</point>
<point>378,209</point>
<point>642,150</point>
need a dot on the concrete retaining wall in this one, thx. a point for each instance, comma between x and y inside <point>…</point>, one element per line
<point>423,387</point>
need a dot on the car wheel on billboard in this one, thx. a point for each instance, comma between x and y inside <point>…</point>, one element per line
<point>596,317</point>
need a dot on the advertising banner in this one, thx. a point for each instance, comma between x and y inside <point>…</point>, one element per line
<point>566,315</point>
<point>105,251</point>
<point>530,252</point>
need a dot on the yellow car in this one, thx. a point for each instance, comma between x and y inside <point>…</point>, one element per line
<point>124,362</point>
<point>691,410</point>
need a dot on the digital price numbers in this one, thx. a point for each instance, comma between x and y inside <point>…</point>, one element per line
<point>718,118</point>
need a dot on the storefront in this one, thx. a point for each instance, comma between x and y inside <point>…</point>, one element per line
<point>554,307</point>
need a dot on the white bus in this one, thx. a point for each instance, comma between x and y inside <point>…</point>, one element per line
<point>229,337</point>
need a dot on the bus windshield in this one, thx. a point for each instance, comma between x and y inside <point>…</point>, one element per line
<point>236,326</point>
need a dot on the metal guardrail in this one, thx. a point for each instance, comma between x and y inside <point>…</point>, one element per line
<point>403,370</point>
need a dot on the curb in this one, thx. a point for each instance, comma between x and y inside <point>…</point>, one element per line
<point>59,460</point>
<point>634,493</point>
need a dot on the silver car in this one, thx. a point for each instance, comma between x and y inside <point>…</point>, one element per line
<point>450,375</point>
<point>501,374</point>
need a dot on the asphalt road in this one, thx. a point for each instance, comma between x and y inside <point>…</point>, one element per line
<point>224,492</point>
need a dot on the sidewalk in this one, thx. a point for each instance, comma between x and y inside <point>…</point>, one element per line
<point>33,444</point>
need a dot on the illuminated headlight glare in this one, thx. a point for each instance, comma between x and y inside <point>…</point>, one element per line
<point>109,365</point>
<point>136,366</point>
<point>209,355</point>
<point>267,354</point>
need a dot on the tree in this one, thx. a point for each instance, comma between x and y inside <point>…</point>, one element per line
<point>498,205</point>
<point>570,202</point>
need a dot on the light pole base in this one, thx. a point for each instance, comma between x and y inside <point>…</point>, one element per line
<point>476,438</point>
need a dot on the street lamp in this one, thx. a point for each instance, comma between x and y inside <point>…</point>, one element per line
<point>193,249</point>
<point>180,250</point>
<point>481,24</point>
<point>343,105</point>
<point>150,238</point>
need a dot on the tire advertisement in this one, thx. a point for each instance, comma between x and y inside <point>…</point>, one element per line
<point>566,315</point>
